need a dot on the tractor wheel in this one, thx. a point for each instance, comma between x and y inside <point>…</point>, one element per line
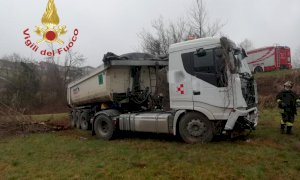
<point>195,128</point>
<point>104,127</point>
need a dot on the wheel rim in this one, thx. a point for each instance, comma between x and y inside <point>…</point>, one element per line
<point>196,128</point>
<point>84,123</point>
<point>103,127</point>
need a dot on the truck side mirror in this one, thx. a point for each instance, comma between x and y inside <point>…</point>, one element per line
<point>200,52</point>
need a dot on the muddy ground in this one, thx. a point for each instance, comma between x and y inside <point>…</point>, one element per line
<point>23,125</point>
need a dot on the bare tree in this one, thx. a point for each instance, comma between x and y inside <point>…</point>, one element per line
<point>73,60</point>
<point>165,33</point>
<point>199,21</point>
<point>27,85</point>
<point>246,44</point>
<point>55,77</point>
<point>21,81</point>
<point>179,31</point>
<point>158,43</point>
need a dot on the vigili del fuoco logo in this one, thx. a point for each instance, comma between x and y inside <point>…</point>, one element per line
<point>50,32</point>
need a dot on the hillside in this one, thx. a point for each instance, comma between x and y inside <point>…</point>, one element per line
<point>270,83</point>
<point>34,87</point>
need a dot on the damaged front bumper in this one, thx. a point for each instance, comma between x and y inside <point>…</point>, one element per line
<point>247,119</point>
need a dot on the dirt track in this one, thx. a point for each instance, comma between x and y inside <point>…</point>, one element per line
<point>11,126</point>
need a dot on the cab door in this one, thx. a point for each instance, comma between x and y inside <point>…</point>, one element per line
<point>210,82</point>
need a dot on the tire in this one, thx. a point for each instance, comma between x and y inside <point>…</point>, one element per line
<point>84,121</point>
<point>258,69</point>
<point>195,128</point>
<point>104,127</point>
<point>77,122</point>
<point>73,119</point>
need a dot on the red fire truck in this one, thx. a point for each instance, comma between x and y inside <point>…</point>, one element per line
<point>269,58</point>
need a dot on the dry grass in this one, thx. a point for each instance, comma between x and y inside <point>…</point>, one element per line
<point>271,83</point>
<point>14,122</point>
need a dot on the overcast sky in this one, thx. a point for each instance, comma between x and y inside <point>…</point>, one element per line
<point>113,25</point>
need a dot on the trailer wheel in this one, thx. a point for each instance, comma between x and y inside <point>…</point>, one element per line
<point>84,121</point>
<point>73,119</point>
<point>104,127</point>
<point>77,122</point>
<point>195,128</point>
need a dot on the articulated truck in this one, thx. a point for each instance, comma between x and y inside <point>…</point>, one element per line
<point>203,88</point>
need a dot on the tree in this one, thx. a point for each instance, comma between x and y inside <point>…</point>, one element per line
<point>246,44</point>
<point>164,34</point>
<point>73,60</point>
<point>55,77</point>
<point>199,21</point>
<point>52,84</point>
<point>22,82</point>
<point>25,84</point>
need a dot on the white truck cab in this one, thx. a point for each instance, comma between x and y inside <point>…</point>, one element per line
<point>209,76</point>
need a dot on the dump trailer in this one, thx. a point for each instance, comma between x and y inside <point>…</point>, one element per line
<point>201,89</point>
<point>269,58</point>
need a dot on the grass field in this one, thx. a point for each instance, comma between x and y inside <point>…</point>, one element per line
<point>75,154</point>
<point>275,74</point>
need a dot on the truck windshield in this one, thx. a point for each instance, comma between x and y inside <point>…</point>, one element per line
<point>235,62</point>
<point>238,63</point>
<point>243,68</point>
<point>236,57</point>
